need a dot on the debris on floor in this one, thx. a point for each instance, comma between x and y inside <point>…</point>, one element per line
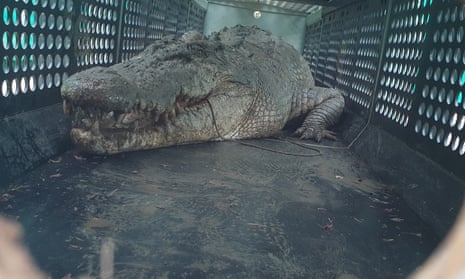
<point>217,210</point>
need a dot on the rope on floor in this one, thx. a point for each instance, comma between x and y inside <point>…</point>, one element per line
<point>308,146</point>
<point>317,151</point>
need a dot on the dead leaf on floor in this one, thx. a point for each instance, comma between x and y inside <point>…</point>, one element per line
<point>376,200</point>
<point>74,247</point>
<point>79,157</point>
<point>412,233</point>
<point>396,219</point>
<point>98,223</point>
<point>215,183</point>
<point>255,225</point>
<point>54,160</point>
<point>91,196</point>
<point>112,192</point>
<point>329,225</point>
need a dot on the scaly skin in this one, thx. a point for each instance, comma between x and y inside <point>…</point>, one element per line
<point>239,83</point>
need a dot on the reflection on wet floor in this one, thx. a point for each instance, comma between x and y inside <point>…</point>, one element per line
<point>218,210</point>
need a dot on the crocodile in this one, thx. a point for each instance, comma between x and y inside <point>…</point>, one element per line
<point>237,83</point>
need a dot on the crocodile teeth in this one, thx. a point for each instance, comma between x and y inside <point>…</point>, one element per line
<point>66,107</point>
<point>130,117</point>
<point>150,105</point>
<point>96,127</point>
<point>108,120</point>
<point>178,108</point>
<point>156,117</point>
<point>119,121</point>
<point>164,118</point>
<point>143,105</point>
<point>172,114</point>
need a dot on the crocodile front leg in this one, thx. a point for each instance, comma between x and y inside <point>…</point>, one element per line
<point>322,107</point>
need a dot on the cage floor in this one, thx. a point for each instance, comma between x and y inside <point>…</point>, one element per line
<point>218,210</point>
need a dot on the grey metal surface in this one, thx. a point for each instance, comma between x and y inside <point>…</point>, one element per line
<point>218,210</point>
<point>283,6</point>
<point>296,6</point>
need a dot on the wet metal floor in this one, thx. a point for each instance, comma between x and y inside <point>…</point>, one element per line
<point>218,210</point>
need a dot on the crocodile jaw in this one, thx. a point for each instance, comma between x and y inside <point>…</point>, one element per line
<point>100,131</point>
<point>89,141</point>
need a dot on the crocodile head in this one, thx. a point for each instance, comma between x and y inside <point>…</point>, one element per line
<point>167,95</point>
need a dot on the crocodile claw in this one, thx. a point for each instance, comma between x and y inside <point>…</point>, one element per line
<point>316,134</point>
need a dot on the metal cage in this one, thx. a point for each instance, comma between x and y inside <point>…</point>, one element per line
<point>403,64</point>
<point>44,41</point>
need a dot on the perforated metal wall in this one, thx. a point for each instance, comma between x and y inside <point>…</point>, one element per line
<point>36,52</point>
<point>440,114</point>
<point>368,52</point>
<point>44,41</point>
<point>321,60</point>
<point>156,20</point>
<point>404,61</point>
<point>312,46</point>
<point>348,56</point>
<point>96,24</point>
<point>134,25</point>
<point>196,17</point>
